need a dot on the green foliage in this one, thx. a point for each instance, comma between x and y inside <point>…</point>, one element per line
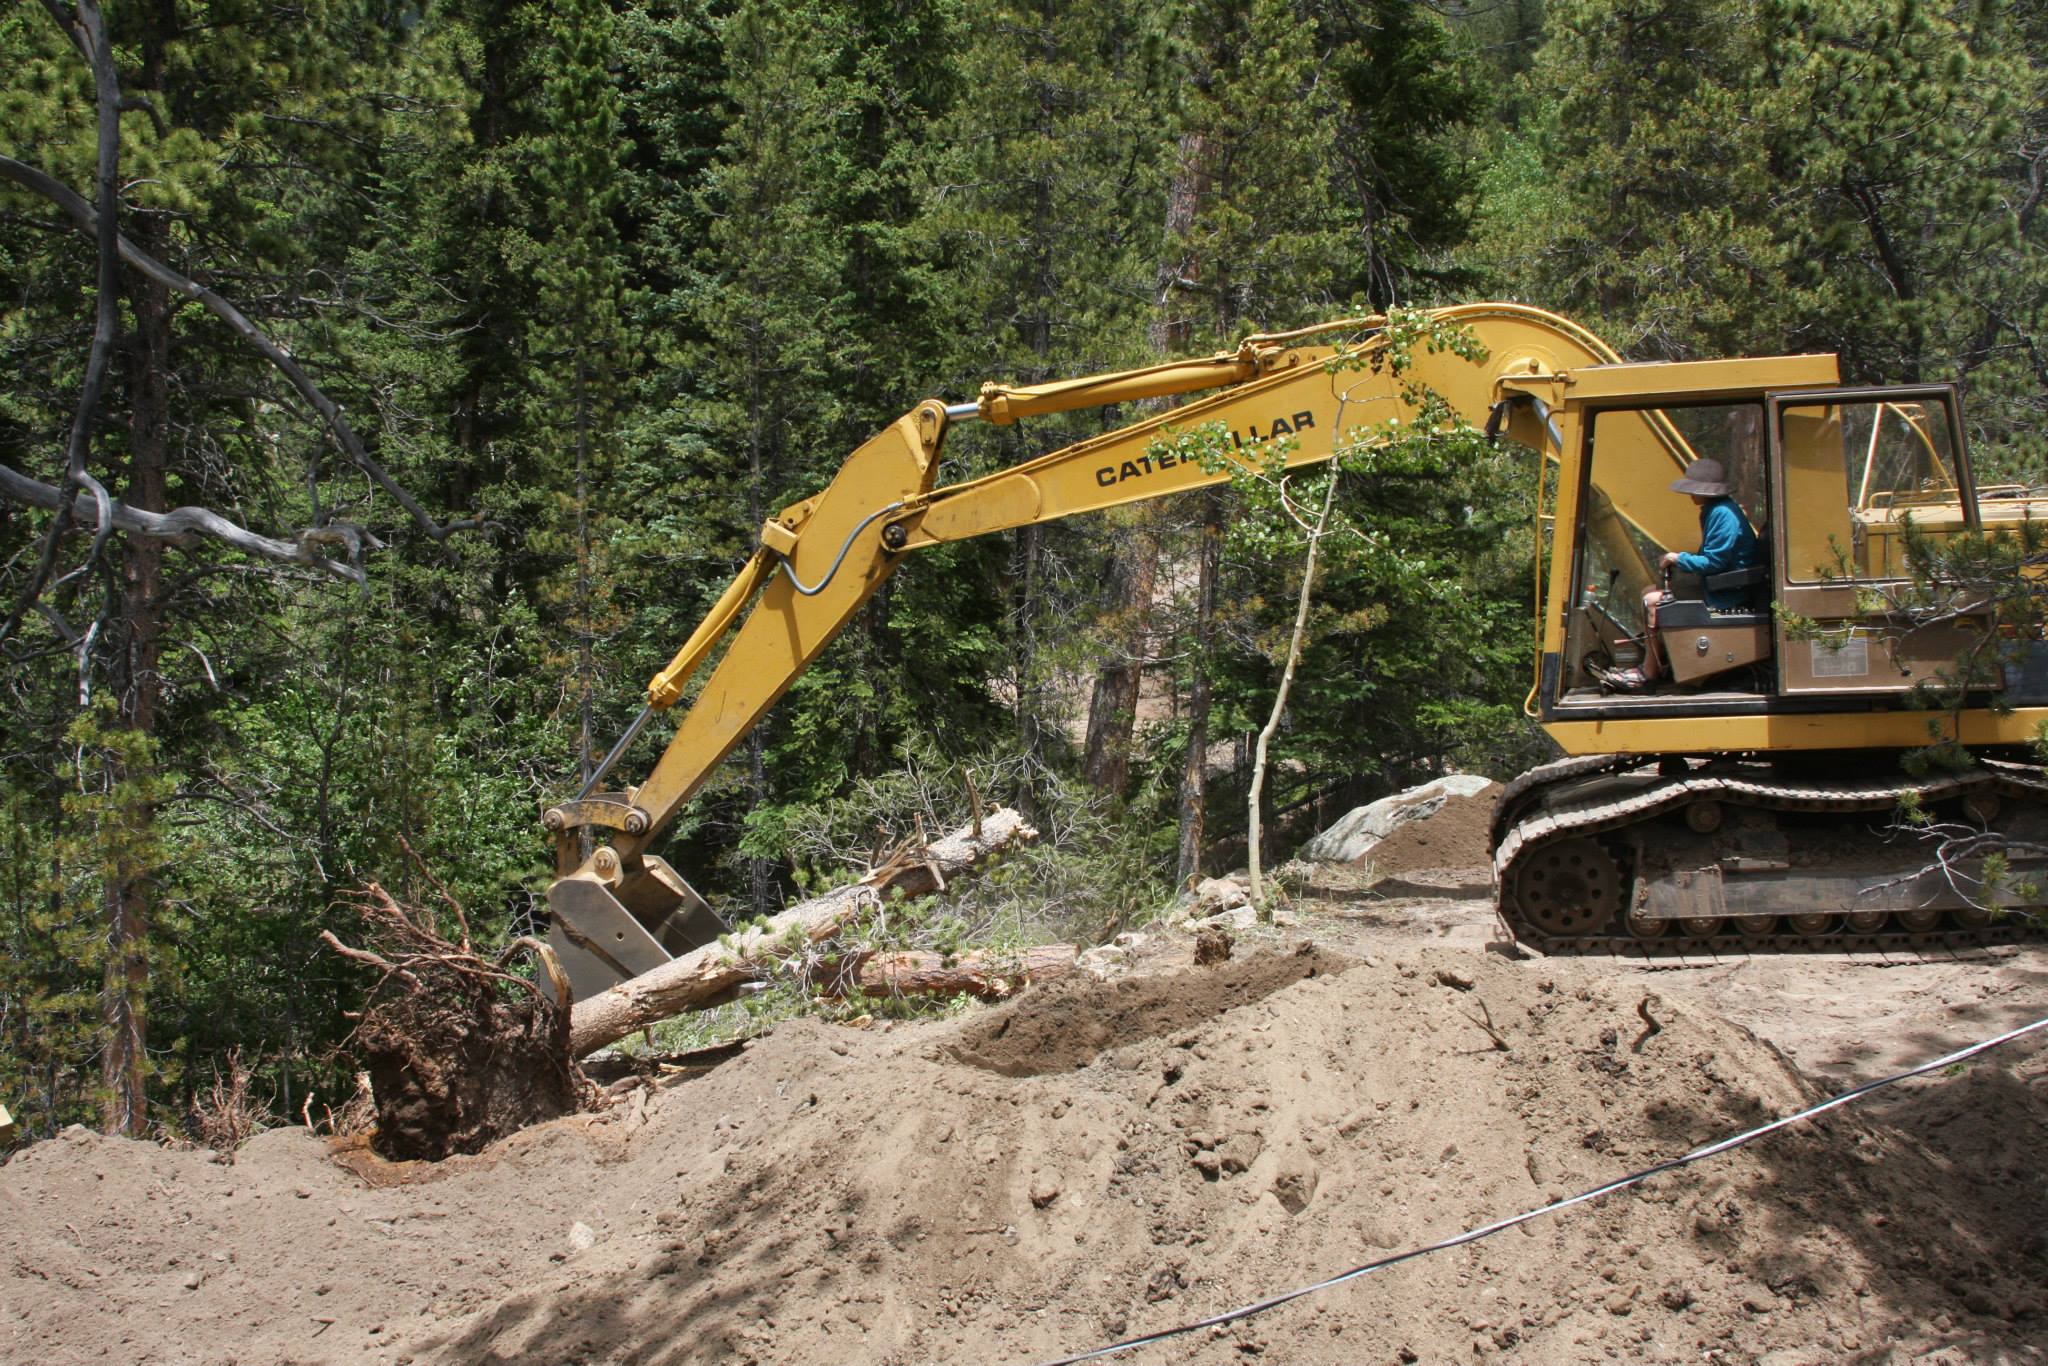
<point>1753,176</point>
<point>1416,644</point>
<point>57,866</point>
<point>622,280</point>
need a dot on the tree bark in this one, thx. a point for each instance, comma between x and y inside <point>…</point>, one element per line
<point>135,679</point>
<point>184,526</point>
<point>1113,705</point>
<point>1026,561</point>
<point>710,975</point>
<point>1255,825</point>
<point>1172,329</point>
<point>1134,570</point>
<point>1194,779</point>
<point>761,872</point>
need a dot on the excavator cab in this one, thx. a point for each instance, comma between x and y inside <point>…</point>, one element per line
<point>1829,479</point>
<point>1716,628</point>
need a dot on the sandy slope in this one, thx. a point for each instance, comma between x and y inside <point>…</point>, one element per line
<point>1105,1158</point>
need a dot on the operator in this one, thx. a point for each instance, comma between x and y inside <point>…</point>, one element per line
<point>1727,542</point>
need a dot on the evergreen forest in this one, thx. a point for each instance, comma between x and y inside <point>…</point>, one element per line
<point>387,387</point>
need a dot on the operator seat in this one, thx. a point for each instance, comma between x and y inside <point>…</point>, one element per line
<point>1701,641</point>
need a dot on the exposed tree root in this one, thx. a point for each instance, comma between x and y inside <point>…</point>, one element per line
<point>459,1051</point>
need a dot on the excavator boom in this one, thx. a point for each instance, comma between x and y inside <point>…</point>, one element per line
<point>622,910</point>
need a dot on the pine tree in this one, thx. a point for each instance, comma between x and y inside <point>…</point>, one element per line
<point>580,344</point>
<point>1639,195</point>
<point>247,156</point>
<point>1048,157</point>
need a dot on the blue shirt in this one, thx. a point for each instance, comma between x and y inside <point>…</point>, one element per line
<point>1727,542</point>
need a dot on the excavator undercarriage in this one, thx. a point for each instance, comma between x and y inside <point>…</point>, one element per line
<point>1687,858</point>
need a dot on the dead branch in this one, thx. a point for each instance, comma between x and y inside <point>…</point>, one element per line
<point>410,945</point>
<point>1650,1025</point>
<point>364,956</point>
<point>180,526</point>
<point>1485,1021</point>
<point>709,975</point>
<point>461,919</point>
<point>1954,845</point>
<point>86,220</point>
<point>984,975</point>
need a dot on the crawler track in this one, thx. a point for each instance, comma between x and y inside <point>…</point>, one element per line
<point>1608,808</point>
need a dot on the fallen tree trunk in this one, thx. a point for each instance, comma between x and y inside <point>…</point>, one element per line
<point>711,974</point>
<point>989,976</point>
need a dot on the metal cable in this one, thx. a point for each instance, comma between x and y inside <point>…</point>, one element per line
<point>833,572</point>
<point>1487,1231</point>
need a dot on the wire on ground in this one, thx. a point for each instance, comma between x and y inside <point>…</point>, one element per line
<point>1487,1231</point>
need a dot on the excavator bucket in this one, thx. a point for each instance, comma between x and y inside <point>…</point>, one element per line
<point>609,926</point>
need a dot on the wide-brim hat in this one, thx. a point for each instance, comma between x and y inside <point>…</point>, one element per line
<point>1704,477</point>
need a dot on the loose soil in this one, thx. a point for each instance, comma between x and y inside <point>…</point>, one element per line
<point>1458,835</point>
<point>1101,1159</point>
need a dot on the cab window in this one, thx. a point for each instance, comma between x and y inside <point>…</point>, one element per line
<point>1856,469</point>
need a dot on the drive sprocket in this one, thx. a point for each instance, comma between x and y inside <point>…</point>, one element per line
<point>1571,887</point>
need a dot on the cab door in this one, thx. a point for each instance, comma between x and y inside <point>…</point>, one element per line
<point>1853,468</point>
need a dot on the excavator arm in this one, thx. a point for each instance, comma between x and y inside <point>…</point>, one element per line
<point>623,911</point>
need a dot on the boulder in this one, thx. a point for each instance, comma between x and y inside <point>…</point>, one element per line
<point>1354,836</point>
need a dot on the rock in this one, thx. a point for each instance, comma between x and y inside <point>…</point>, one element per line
<point>192,1280</point>
<point>1355,834</point>
<point>581,1236</point>
<point>1043,1193</point>
<point>1212,946</point>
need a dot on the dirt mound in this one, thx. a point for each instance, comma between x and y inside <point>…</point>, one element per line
<point>835,1195</point>
<point>1458,835</point>
<point>1070,1024</point>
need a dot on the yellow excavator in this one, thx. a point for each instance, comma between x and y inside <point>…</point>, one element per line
<point>1748,804</point>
